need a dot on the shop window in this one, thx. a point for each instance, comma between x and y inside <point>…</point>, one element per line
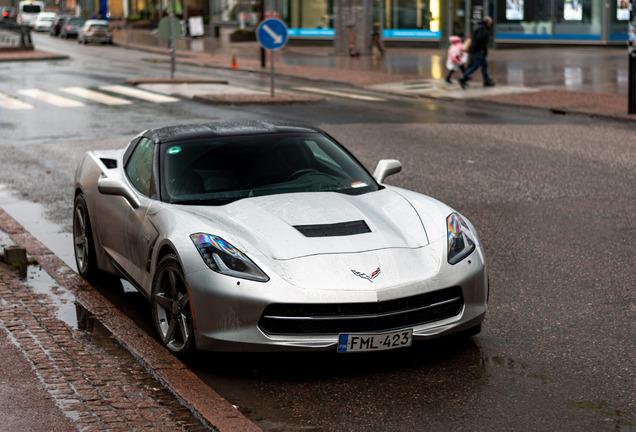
<point>310,17</point>
<point>619,19</point>
<point>578,19</point>
<point>524,19</point>
<point>412,14</point>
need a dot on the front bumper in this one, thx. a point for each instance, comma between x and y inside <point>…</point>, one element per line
<point>228,311</point>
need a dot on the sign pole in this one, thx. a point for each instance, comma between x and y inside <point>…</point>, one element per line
<point>271,62</point>
<point>172,40</point>
<point>272,35</point>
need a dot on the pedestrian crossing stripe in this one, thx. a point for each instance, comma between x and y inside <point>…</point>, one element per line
<point>13,104</point>
<point>95,96</point>
<point>340,94</point>
<point>51,98</point>
<point>139,94</point>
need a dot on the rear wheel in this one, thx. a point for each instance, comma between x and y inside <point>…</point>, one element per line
<point>84,245</point>
<point>171,311</point>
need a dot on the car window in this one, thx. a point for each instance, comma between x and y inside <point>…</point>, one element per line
<point>139,167</point>
<point>99,26</point>
<point>31,8</point>
<point>224,170</point>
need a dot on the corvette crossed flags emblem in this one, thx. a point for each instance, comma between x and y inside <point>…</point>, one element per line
<point>374,275</point>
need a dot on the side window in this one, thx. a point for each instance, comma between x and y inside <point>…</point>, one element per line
<point>139,167</point>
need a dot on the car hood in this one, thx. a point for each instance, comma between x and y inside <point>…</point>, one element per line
<point>289,226</point>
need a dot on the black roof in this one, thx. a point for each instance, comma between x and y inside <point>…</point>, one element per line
<point>193,131</point>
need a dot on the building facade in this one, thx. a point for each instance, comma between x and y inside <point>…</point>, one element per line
<point>594,22</point>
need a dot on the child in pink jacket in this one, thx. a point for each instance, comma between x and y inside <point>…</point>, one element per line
<point>456,57</point>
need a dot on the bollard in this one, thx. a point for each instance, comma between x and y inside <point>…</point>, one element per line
<point>631,87</point>
<point>16,257</point>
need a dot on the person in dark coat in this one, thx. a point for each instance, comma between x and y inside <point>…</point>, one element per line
<point>479,50</point>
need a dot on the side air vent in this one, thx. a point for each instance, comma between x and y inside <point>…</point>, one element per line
<point>334,230</point>
<point>110,163</point>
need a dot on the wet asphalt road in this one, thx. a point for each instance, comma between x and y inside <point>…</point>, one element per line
<point>551,197</point>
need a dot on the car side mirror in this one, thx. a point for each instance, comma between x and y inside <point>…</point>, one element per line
<point>111,186</point>
<point>385,168</point>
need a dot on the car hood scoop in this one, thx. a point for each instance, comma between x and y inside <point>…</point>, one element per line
<point>294,225</point>
<point>335,229</point>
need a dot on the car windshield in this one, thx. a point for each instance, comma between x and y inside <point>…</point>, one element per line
<point>216,172</point>
<point>99,26</point>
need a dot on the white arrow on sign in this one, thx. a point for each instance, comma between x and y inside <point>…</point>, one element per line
<point>277,38</point>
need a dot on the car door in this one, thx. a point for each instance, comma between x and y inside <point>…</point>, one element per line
<point>126,233</point>
<point>140,233</point>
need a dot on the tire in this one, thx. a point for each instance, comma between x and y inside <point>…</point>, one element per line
<point>171,311</point>
<point>83,243</point>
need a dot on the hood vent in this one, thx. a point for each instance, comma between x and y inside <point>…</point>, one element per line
<point>334,230</point>
<point>110,163</point>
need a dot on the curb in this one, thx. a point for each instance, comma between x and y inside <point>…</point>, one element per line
<point>206,405</point>
<point>551,110</point>
<point>240,99</point>
<point>10,56</point>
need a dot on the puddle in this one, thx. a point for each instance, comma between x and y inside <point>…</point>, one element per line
<point>601,409</point>
<point>32,217</point>
<point>40,282</point>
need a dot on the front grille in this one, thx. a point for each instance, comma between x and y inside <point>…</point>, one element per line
<point>292,319</point>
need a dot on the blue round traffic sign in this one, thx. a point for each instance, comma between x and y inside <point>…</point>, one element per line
<point>272,34</point>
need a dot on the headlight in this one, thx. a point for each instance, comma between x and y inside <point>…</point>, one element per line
<point>224,258</point>
<point>461,241</point>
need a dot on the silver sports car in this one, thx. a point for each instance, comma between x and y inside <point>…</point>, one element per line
<point>261,236</point>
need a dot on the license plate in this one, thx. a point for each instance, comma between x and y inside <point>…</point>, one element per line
<point>358,342</point>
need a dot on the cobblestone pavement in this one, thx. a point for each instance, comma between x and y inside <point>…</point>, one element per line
<point>95,383</point>
<point>96,371</point>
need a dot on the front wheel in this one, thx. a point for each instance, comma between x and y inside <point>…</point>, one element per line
<point>84,245</point>
<point>171,310</point>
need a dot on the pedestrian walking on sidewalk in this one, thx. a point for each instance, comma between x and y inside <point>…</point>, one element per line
<point>456,58</point>
<point>479,50</point>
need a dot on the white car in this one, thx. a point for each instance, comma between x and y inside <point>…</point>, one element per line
<point>263,236</point>
<point>95,31</point>
<point>44,21</point>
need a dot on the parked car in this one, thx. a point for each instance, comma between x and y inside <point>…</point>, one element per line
<point>272,236</point>
<point>71,27</point>
<point>56,27</point>
<point>44,21</point>
<point>8,15</point>
<point>95,31</point>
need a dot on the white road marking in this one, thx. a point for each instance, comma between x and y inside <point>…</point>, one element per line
<point>13,104</point>
<point>95,96</point>
<point>50,98</point>
<point>340,94</point>
<point>139,94</point>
